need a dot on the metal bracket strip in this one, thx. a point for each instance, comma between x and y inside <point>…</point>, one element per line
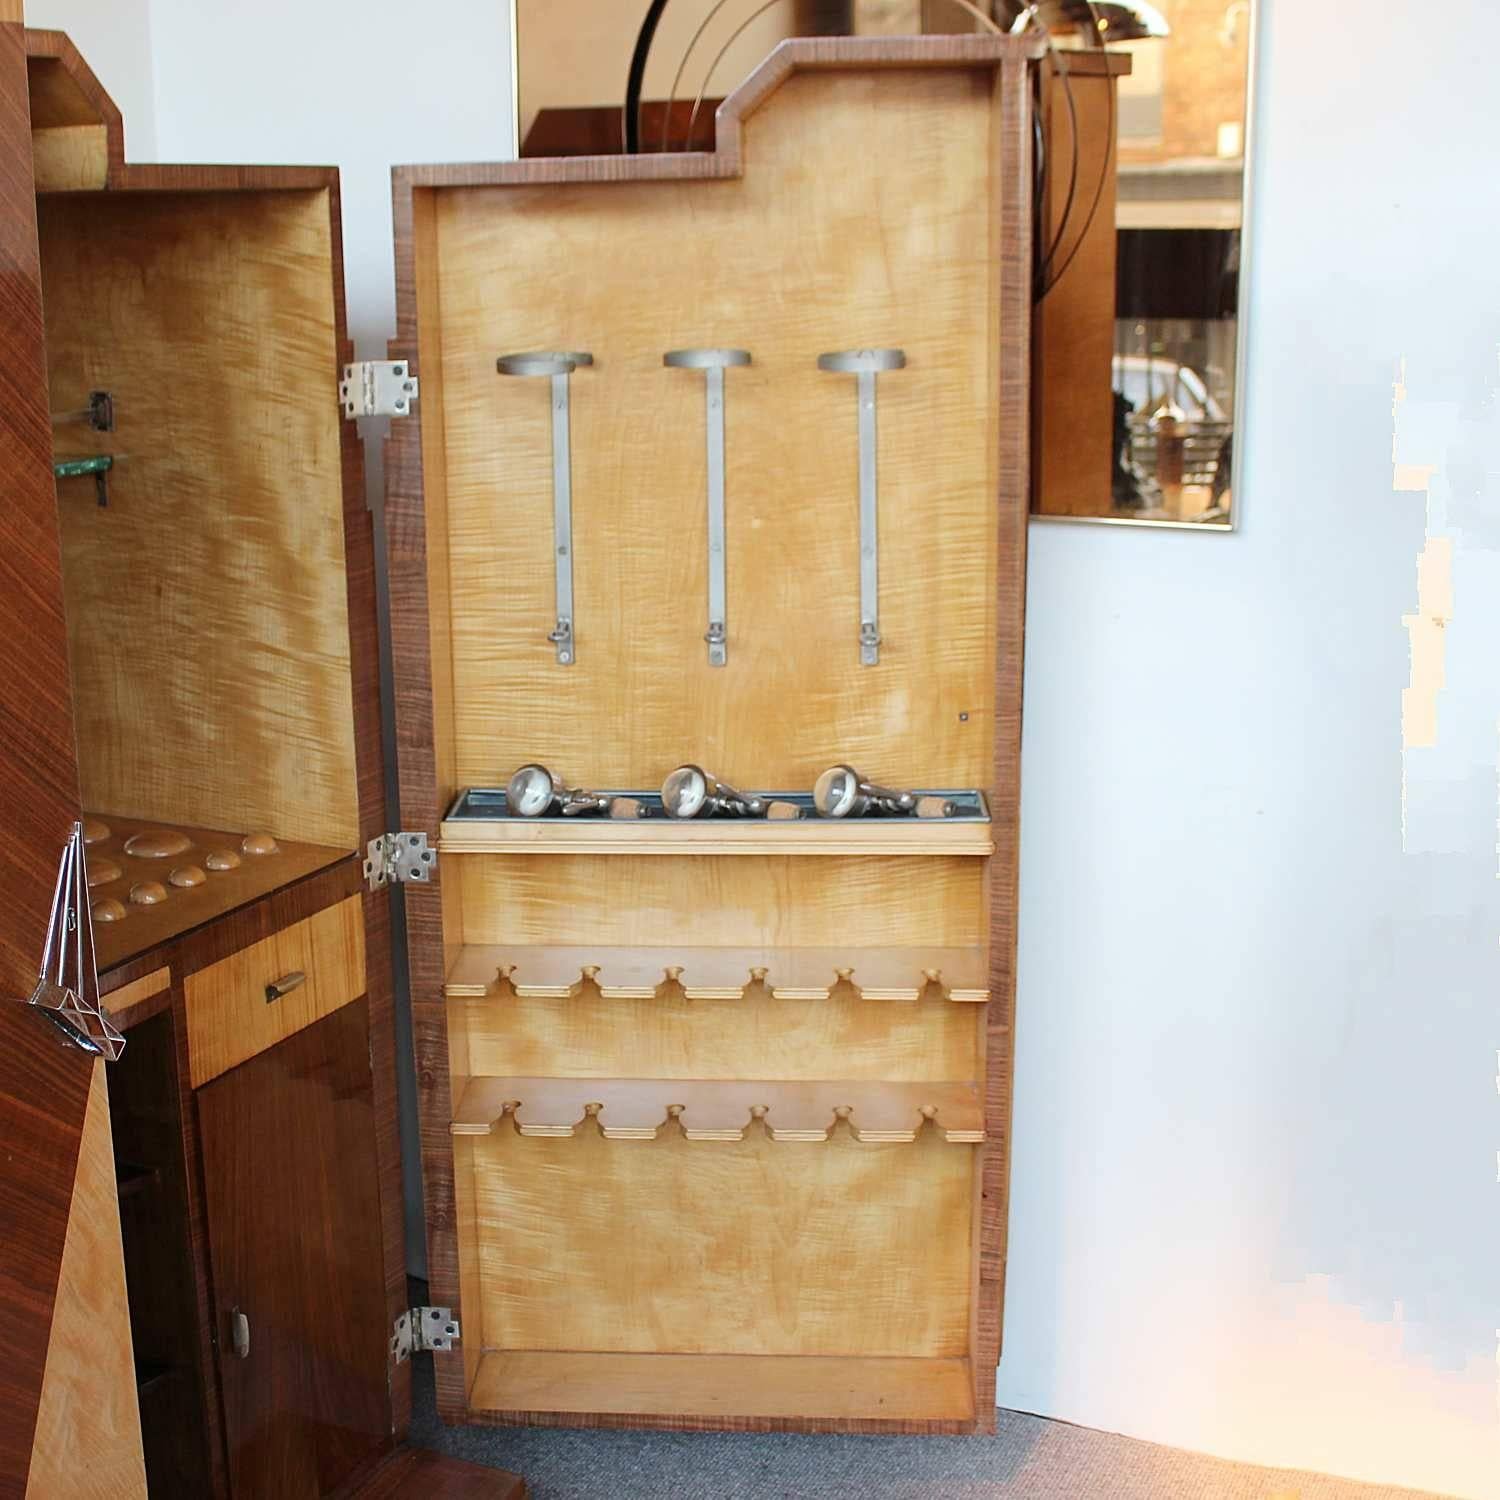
<point>865,364</point>
<point>559,367</point>
<point>713,363</point>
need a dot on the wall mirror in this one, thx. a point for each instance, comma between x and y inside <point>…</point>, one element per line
<point>1143,129</point>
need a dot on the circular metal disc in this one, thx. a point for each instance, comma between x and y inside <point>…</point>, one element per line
<point>836,791</point>
<point>705,359</point>
<point>530,792</point>
<point>855,361</point>
<point>541,363</point>
<point>684,792</point>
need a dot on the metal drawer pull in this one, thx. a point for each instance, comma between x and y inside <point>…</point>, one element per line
<point>239,1332</point>
<point>285,985</point>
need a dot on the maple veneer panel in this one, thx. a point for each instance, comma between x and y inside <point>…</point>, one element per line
<point>88,1428</point>
<point>725,899</point>
<point>207,604</point>
<point>798,256</point>
<point>672,1246</point>
<point>670,1036</point>
<point>229,1018</point>
<point>711,1388</point>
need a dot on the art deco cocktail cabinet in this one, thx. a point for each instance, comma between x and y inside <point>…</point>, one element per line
<point>694,460</point>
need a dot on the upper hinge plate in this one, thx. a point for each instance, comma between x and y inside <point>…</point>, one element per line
<point>401,857</point>
<point>378,388</point>
<point>422,1328</point>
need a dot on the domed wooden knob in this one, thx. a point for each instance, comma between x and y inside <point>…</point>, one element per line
<point>159,843</point>
<point>102,871</point>
<point>94,832</point>
<point>185,877</point>
<point>259,843</point>
<point>222,859</point>
<point>107,909</point>
<point>148,893</point>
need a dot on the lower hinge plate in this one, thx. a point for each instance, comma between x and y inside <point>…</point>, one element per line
<point>399,857</point>
<point>422,1328</point>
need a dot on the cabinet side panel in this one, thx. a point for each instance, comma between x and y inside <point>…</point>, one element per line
<point>39,773</point>
<point>1010,238</point>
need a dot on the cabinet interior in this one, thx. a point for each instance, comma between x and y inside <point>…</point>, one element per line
<point>205,582</point>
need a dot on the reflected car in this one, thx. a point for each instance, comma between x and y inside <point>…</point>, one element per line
<point>1149,387</point>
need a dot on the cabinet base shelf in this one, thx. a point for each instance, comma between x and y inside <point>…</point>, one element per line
<point>732,1390</point>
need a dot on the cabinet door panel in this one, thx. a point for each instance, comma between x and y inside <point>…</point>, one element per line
<point>294,1239</point>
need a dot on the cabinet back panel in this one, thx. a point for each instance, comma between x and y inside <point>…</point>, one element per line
<point>752,1247</point>
<point>670,1036</point>
<point>798,256</point>
<point>655,900</point>
<point>207,605</point>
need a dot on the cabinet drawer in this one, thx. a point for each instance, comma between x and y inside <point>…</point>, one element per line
<point>252,999</point>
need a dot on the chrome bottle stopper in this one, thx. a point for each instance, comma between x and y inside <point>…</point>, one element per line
<point>533,791</point>
<point>691,792</point>
<point>841,792</point>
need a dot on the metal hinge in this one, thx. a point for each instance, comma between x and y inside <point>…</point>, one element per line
<point>401,857</point>
<point>378,388</point>
<point>421,1328</point>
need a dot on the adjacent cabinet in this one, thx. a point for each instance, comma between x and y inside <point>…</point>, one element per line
<point>714,1115</point>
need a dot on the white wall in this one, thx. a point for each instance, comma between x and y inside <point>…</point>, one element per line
<point>1255,1179</point>
<point>1255,1204</point>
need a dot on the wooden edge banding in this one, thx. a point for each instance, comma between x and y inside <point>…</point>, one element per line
<point>1013,144</point>
<point>128,1003</point>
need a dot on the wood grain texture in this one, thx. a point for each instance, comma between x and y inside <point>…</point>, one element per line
<point>76,97</point>
<point>45,1083</point>
<point>88,1431</point>
<point>299,1253</point>
<point>715,1109</point>
<point>206,604</point>
<point>923,715</point>
<point>755,1036</point>
<point>139,998</point>
<point>446,239</point>
<point>1073,336</point>
<point>148,927</point>
<point>1012,146</point>
<point>229,1016</point>
<point>421,1474</point>
<point>39,777</point>
<point>626,1246</point>
<point>709,836</point>
<point>809,903</point>
<point>739,1391</point>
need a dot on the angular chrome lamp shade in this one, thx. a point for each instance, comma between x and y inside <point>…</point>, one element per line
<point>1108,20</point>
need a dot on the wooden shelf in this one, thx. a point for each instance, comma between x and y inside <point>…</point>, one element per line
<point>826,836</point>
<point>552,973</point>
<point>180,908</point>
<point>731,1386</point>
<point>636,1109</point>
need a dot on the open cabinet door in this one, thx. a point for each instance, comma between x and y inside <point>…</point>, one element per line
<point>68,1418</point>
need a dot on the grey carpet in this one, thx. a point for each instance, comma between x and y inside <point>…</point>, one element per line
<point>1028,1459</point>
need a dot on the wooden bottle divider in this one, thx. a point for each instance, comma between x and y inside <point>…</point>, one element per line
<point>636,1109</point>
<point>556,973</point>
